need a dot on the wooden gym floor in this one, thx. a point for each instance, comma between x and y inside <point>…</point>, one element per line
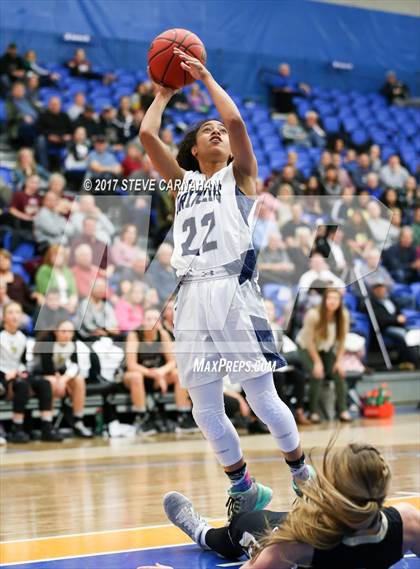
<point>84,504</point>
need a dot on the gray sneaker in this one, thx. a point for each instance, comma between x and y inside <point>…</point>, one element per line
<point>255,498</point>
<point>297,482</point>
<point>181,513</point>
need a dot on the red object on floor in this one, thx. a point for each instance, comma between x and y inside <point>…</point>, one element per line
<point>384,411</point>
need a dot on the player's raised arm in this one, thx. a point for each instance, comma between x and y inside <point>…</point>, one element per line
<point>245,163</point>
<point>160,155</point>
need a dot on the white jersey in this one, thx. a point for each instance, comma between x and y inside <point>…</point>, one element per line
<point>213,222</point>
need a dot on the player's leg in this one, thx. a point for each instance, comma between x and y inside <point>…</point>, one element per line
<point>210,415</point>
<point>42,388</point>
<point>76,388</point>
<point>262,397</point>
<point>134,382</point>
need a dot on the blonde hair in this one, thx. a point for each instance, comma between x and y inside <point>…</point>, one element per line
<point>343,498</point>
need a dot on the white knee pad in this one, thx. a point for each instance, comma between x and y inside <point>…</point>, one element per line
<point>220,433</point>
<point>271,410</point>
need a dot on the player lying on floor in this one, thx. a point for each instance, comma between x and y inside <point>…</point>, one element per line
<point>340,521</point>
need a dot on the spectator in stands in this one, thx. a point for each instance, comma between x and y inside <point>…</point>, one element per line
<point>124,121</point>
<point>80,66</point>
<point>125,248</point>
<point>27,166</point>
<point>393,89</point>
<point>146,363</point>
<point>55,273</point>
<point>102,164</point>
<point>265,220</point>
<point>132,162</point>
<point>76,161</point>
<point>391,322</point>
<point>293,133</point>
<point>129,309</point>
<point>101,255</point>
<point>95,316</point>
<point>66,366</point>
<point>162,273</point>
<point>137,272</point>
<point>32,91</point>
<point>374,270</point>
<point>328,243</point>
<point>4,300</point>
<point>380,227</point>
<point>11,68</point>
<point>168,138</point>
<point>330,184</point>
<point>416,227</point>
<point>393,175</point>
<point>88,120</point>
<point>350,161</point>
<point>50,313</point>
<point>411,192</point>
<point>316,134</point>
<point>361,172</point>
<point>104,229</point>
<point>274,262</point>
<point>358,237</point>
<point>321,346</point>
<point>284,88</point>
<point>18,383</point>
<point>78,106</point>
<point>289,175</point>
<point>49,225</point>
<point>341,209</point>
<point>33,69</point>
<point>313,187</point>
<point>288,230</point>
<point>198,99</point>
<point>391,198</point>
<point>295,375</point>
<point>324,163</point>
<point>319,270</point>
<point>16,288</point>
<point>372,185</point>
<point>144,95</point>
<point>83,270</point>
<point>24,206</point>
<point>55,130</point>
<point>375,158</point>
<point>57,185</point>
<point>285,198</point>
<point>401,259</point>
<point>343,176</point>
<point>21,117</point>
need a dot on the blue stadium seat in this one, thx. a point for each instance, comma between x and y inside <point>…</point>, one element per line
<point>360,324</point>
<point>359,137</point>
<point>350,301</point>
<point>331,125</point>
<point>18,269</point>
<point>24,252</point>
<point>2,110</point>
<point>7,175</point>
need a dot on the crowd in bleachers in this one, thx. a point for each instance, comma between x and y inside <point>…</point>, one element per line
<point>337,193</point>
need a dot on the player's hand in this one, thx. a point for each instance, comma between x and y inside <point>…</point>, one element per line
<point>193,65</point>
<point>318,370</point>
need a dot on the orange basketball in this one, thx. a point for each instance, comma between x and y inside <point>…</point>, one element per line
<point>164,65</point>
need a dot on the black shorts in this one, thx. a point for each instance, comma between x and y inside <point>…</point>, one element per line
<point>256,524</point>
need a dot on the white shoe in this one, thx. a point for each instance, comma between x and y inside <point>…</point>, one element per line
<point>181,513</point>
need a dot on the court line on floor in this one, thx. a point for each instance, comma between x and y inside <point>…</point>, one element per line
<point>107,542</point>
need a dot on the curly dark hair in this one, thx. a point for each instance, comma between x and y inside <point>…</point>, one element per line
<point>184,157</point>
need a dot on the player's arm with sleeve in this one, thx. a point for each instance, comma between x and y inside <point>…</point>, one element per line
<point>244,162</point>
<point>158,152</point>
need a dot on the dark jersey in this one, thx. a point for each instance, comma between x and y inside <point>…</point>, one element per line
<point>149,355</point>
<point>378,551</point>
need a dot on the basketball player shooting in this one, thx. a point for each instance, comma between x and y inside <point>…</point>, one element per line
<point>219,309</point>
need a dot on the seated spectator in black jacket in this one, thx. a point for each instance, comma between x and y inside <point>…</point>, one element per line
<point>393,89</point>
<point>274,263</point>
<point>87,119</point>
<point>401,259</point>
<point>50,314</point>
<point>55,130</point>
<point>32,91</point>
<point>109,128</point>
<point>65,364</point>
<point>75,163</point>
<point>390,321</point>
<point>284,88</point>
<point>18,383</point>
<point>21,117</point>
<point>330,184</point>
<point>288,230</point>
<point>124,121</point>
<point>162,273</point>
<point>11,68</point>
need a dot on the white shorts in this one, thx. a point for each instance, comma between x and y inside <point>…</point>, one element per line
<point>221,328</point>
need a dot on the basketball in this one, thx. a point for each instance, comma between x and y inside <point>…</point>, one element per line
<point>164,65</point>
